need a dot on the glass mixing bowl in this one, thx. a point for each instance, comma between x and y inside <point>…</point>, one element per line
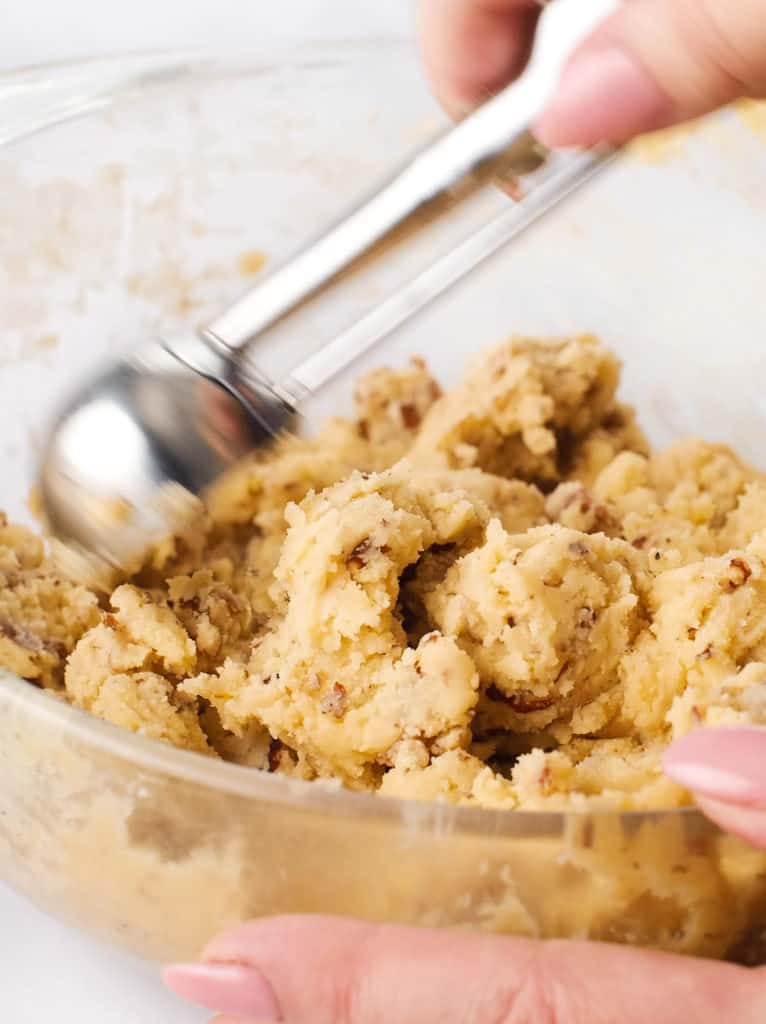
<point>155,205</point>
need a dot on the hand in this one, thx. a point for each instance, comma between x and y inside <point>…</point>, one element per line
<point>652,64</point>
<point>324,970</point>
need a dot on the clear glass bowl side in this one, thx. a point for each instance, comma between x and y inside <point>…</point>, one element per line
<point>152,849</point>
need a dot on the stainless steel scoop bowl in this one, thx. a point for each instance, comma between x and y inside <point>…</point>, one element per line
<point>128,458</point>
<point>131,451</point>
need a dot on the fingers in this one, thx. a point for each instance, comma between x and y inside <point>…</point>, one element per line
<point>726,770</point>
<point>652,64</point>
<point>656,63</point>
<point>322,970</point>
<point>472,48</point>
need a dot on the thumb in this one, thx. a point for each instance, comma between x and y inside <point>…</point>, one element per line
<point>325,970</point>
<point>656,63</point>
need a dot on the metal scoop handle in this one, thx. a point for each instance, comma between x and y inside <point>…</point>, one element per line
<point>561,175</point>
<point>465,151</point>
<point>490,142</point>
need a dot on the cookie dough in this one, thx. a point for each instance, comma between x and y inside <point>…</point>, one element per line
<point>42,615</point>
<point>497,596</point>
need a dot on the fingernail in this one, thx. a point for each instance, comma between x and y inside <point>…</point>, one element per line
<point>228,988</point>
<point>745,822</point>
<point>603,96</point>
<point>722,764</point>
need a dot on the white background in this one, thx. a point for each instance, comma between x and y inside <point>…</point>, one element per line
<point>34,31</point>
<point>48,973</point>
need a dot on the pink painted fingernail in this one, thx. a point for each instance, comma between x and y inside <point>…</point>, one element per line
<point>603,96</point>
<point>746,822</point>
<point>723,764</point>
<point>228,988</point>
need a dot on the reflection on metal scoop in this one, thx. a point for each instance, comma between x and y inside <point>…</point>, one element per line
<point>131,453</point>
<point>127,460</point>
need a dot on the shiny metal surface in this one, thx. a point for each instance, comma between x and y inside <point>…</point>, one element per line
<point>128,457</point>
<point>489,143</point>
<point>545,187</point>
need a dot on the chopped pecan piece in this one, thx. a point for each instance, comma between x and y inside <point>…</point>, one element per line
<point>523,702</point>
<point>335,702</point>
<point>357,557</point>
<point>410,416</point>
<point>739,573</point>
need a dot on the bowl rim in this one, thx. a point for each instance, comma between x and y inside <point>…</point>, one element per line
<point>46,94</point>
<point>320,797</point>
<point>167,67</point>
<point>193,55</point>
